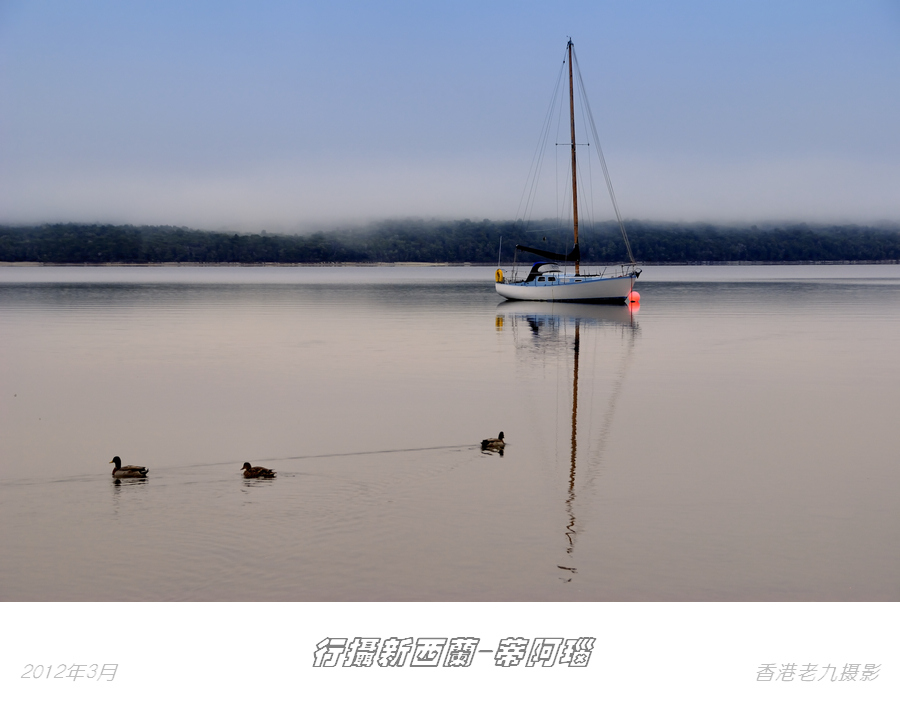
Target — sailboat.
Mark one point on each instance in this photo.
(546, 279)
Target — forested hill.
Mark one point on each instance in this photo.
(453, 242)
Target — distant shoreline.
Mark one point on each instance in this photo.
(452, 243)
(180, 264)
(421, 264)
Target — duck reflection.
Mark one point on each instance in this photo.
(120, 485)
(129, 481)
(554, 328)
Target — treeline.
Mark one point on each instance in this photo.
(454, 242)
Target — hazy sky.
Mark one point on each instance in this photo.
(283, 115)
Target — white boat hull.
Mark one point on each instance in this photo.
(566, 288)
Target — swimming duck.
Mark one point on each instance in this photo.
(257, 472)
(121, 471)
(497, 444)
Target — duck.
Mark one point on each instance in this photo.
(497, 444)
(257, 472)
(121, 471)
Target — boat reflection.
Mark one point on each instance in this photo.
(551, 313)
(554, 330)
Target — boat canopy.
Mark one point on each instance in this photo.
(536, 270)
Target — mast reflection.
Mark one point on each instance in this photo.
(551, 328)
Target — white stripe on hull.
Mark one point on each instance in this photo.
(607, 289)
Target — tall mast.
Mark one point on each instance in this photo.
(572, 127)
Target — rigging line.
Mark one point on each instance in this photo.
(566, 213)
(537, 158)
(562, 365)
(534, 178)
(592, 385)
(560, 104)
(609, 186)
(562, 126)
(580, 174)
(586, 201)
(531, 171)
(590, 205)
(563, 352)
(597, 456)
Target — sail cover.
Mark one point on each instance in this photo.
(573, 255)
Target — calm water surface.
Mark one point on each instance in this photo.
(734, 438)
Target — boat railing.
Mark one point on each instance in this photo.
(515, 274)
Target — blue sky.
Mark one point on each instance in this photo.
(290, 115)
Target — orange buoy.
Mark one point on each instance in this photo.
(634, 296)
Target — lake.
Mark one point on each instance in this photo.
(732, 438)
